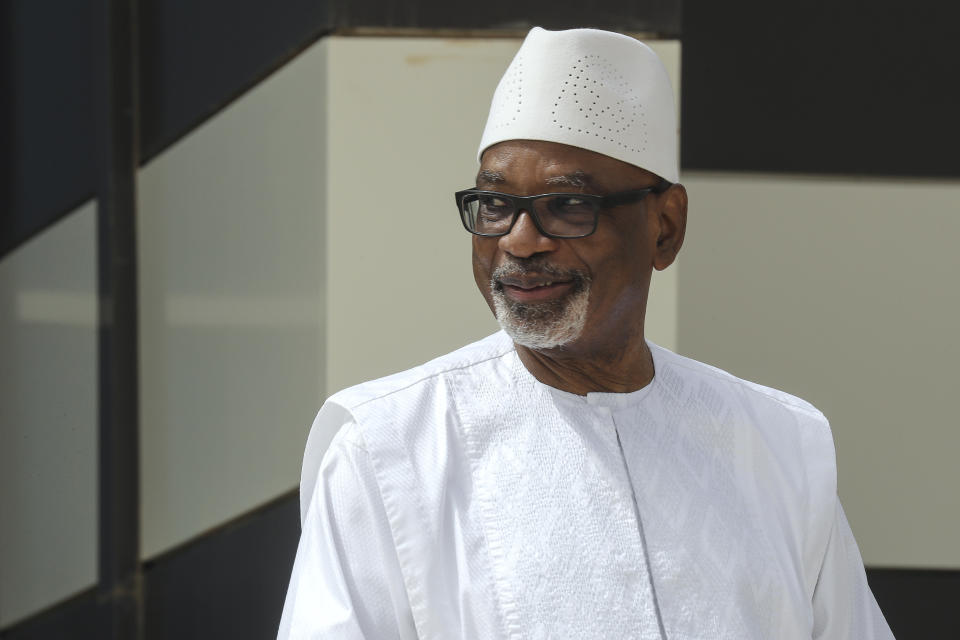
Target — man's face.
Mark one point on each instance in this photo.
(585, 294)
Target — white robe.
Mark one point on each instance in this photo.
(465, 499)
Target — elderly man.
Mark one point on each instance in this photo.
(565, 478)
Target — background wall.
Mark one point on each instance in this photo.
(233, 282)
(825, 198)
(270, 270)
(843, 291)
(48, 410)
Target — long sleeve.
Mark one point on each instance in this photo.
(346, 582)
(843, 605)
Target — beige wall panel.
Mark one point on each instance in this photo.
(845, 293)
(405, 118)
(661, 319)
(231, 290)
(48, 417)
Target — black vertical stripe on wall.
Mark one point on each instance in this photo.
(118, 462)
(822, 87)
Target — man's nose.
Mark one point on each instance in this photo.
(524, 239)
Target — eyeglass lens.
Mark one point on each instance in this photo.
(561, 215)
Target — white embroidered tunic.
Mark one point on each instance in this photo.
(465, 499)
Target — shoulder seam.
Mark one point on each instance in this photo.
(353, 444)
(349, 435)
(426, 377)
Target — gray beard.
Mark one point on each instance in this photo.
(542, 325)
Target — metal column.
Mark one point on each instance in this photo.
(120, 591)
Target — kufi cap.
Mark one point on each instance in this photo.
(593, 89)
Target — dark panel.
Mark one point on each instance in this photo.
(918, 603)
(47, 148)
(196, 57)
(75, 618)
(118, 519)
(821, 87)
(229, 583)
(659, 16)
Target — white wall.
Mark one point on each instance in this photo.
(232, 276)
(844, 292)
(48, 417)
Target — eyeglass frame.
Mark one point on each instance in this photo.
(525, 203)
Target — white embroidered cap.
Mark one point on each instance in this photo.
(593, 89)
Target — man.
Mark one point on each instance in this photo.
(565, 478)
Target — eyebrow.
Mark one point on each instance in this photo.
(578, 179)
(490, 177)
(575, 179)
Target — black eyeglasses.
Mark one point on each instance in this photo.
(556, 215)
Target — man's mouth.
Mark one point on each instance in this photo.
(534, 289)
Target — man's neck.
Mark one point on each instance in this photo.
(613, 371)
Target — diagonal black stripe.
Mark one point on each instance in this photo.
(821, 87)
(918, 603)
(48, 145)
(228, 583)
(75, 618)
(197, 57)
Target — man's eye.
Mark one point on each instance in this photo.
(571, 205)
(492, 202)
(493, 207)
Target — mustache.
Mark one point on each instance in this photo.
(516, 267)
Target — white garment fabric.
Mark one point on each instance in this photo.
(465, 499)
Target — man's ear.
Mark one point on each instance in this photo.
(672, 211)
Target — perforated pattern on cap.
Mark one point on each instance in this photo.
(603, 104)
(511, 87)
